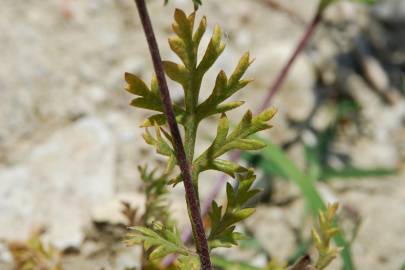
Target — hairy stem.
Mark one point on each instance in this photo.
(191, 196)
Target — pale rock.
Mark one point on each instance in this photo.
(129, 257)
(270, 227)
(111, 211)
(380, 206)
(392, 11)
(58, 184)
(371, 153)
(324, 117)
(296, 97)
(127, 136)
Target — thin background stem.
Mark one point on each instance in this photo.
(278, 82)
(289, 12)
(191, 196)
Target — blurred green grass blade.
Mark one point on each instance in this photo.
(353, 172)
(367, 2)
(313, 162)
(274, 154)
(222, 263)
(256, 160)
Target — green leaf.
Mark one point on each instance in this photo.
(157, 119)
(177, 72)
(183, 27)
(236, 140)
(221, 108)
(155, 188)
(229, 167)
(179, 47)
(162, 240)
(274, 154)
(223, 88)
(199, 34)
(223, 223)
(189, 263)
(214, 50)
(162, 147)
(353, 172)
(323, 235)
(148, 99)
(240, 70)
(223, 263)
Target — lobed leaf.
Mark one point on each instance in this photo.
(189, 263)
(224, 89)
(162, 240)
(214, 49)
(148, 99)
(223, 223)
(323, 235)
(236, 140)
(155, 188)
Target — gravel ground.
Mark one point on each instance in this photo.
(70, 144)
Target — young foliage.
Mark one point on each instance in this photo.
(160, 241)
(323, 235)
(274, 264)
(189, 73)
(34, 254)
(223, 222)
(155, 189)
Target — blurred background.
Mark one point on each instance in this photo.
(70, 144)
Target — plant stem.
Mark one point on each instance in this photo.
(291, 13)
(191, 196)
(275, 87)
(278, 82)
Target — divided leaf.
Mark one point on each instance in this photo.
(214, 49)
(185, 45)
(149, 99)
(323, 235)
(223, 222)
(238, 139)
(155, 188)
(160, 240)
(224, 89)
(190, 262)
(162, 146)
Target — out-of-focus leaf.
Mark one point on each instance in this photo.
(353, 172)
(273, 154)
(161, 240)
(223, 263)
